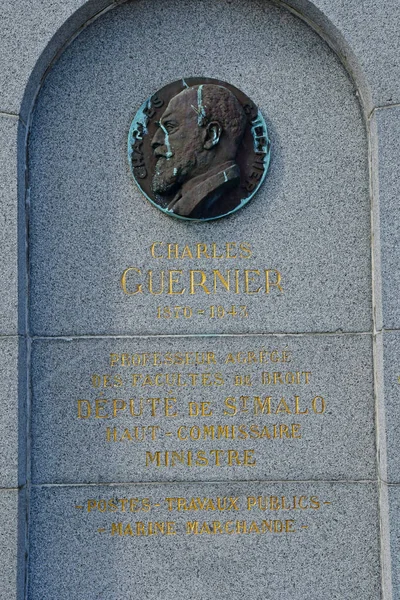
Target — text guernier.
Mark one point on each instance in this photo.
(178, 282)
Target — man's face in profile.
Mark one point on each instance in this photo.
(196, 167)
(177, 143)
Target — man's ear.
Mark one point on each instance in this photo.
(212, 135)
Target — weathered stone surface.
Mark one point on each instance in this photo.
(392, 570)
(11, 580)
(12, 422)
(358, 36)
(313, 207)
(327, 412)
(388, 177)
(8, 226)
(27, 29)
(390, 397)
(333, 550)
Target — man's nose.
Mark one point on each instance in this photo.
(158, 140)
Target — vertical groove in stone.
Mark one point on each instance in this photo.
(23, 200)
(378, 361)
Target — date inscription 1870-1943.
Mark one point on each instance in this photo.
(198, 149)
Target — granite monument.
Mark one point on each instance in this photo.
(199, 342)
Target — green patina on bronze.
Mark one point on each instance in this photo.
(198, 149)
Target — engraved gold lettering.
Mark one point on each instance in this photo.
(173, 279)
(150, 280)
(84, 409)
(138, 289)
(249, 278)
(269, 283)
(225, 282)
(153, 250)
(201, 283)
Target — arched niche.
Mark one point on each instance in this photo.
(88, 222)
(84, 202)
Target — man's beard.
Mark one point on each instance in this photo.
(169, 176)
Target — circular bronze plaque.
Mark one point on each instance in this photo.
(198, 149)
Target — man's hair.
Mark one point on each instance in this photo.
(217, 103)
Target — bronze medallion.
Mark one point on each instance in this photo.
(198, 149)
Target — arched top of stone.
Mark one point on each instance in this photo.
(58, 28)
(78, 159)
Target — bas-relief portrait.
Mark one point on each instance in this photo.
(196, 145)
(193, 162)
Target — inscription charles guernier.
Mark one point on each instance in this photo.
(242, 279)
(198, 149)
